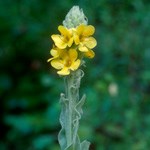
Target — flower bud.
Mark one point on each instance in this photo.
(74, 18)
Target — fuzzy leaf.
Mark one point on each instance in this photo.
(80, 104)
(85, 145)
(63, 120)
(77, 143)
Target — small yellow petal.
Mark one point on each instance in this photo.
(89, 54)
(57, 63)
(54, 52)
(90, 42)
(58, 41)
(88, 31)
(64, 31)
(83, 48)
(64, 71)
(73, 54)
(76, 39)
(75, 65)
(80, 29)
(50, 59)
(70, 42)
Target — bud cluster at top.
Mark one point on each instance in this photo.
(75, 17)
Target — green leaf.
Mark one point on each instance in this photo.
(85, 145)
(63, 119)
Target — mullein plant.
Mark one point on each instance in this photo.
(71, 46)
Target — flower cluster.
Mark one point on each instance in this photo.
(70, 46)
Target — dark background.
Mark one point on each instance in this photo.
(116, 82)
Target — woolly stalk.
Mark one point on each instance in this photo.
(71, 111)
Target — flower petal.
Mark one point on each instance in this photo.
(50, 59)
(88, 31)
(58, 41)
(90, 42)
(76, 39)
(75, 65)
(64, 71)
(83, 48)
(70, 42)
(54, 52)
(80, 29)
(64, 31)
(57, 63)
(89, 54)
(73, 54)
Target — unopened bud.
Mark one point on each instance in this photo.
(74, 18)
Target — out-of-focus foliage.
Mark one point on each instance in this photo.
(117, 81)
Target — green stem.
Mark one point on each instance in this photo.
(71, 114)
(69, 119)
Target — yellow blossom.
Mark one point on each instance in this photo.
(82, 38)
(66, 62)
(63, 40)
(89, 53)
(55, 52)
(69, 45)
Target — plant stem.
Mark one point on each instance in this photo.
(71, 114)
(69, 117)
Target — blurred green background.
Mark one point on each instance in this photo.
(117, 81)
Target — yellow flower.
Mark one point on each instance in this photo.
(82, 38)
(89, 53)
(65, 52)
(63, 40)
(66, 62)
(55, 52)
